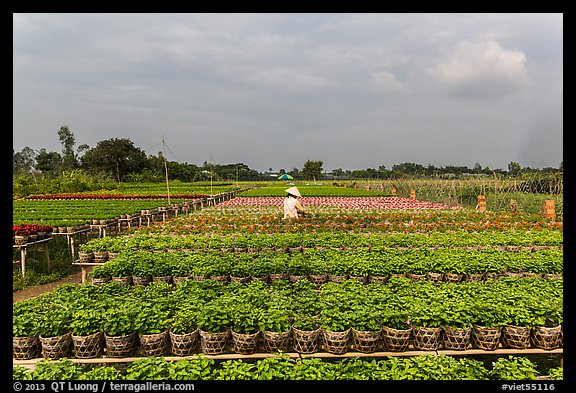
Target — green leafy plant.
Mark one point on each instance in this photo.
(513, 368)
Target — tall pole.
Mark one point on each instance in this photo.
(211, 194)
(166, 169)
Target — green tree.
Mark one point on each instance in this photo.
(48, 163)
(23, 161)
(69, 159)
(117, 157)
(514, 168)
(312, 169)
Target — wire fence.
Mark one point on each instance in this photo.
(523, 194)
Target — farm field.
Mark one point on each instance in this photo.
(374, 282)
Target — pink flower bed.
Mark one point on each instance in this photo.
(343, 202)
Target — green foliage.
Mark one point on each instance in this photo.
(513, 368)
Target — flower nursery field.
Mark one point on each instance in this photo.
(368, 286)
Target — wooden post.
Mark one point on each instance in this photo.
(481, 206)
(548, 206)
(413, 194)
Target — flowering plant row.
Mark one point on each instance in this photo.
(344, 202)
(270, 220)
(30, 229)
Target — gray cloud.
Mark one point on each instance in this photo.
(273, 90)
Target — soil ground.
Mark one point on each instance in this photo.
(27, 293)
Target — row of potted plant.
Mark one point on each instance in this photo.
(511, 312)
(445, 263)
(283, 242)
(24, 233)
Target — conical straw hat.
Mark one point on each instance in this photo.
(293, 191)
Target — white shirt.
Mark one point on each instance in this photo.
(290, 210)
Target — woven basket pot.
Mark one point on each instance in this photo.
(362, 279)
(275, 277)
(242, 279)
(20, 240)
(305, 341)
(245, 343)
(263, 278)
(166, 279)
(100, 256)
(100, 281)
(336, 342)
(123, 280)
(274, 342)
(56, 347)
(214, 343)
(486, 338)
(416, 276)
(178, 279)
(85, 257)
(396, 340)
(121, 346)
(199, 278)
(492, 276)
(434, 277)
(297, 277)
(426, 338)
(552, 276)
(517, 337)
(26, 347)
(318, 279)
(456, 338)
(225, 279)
(184, 344)
(474, 277)
(546, 337)
(453, 277)
(365, 341)
(87, 347)
(137, 280)
(378, 279)
(154, 344)
(337, 278)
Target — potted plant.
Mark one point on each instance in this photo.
(25, 333)
(214, 325)
(152, 324)
(244, 319)
(306, 333)
(335, 329)
(119, 330)
(275, 325)
(184, 330)
(55, 337)
(366, 328)
(87, 334)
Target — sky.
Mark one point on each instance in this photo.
(273, 90)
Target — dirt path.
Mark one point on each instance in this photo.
(75, 278)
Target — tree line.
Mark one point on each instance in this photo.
(119, 160)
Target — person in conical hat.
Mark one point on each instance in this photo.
(292, 206)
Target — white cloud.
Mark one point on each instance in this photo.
(483, 69)
(386, 81)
